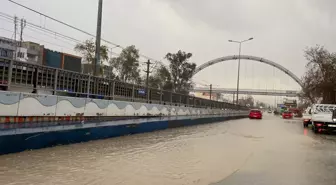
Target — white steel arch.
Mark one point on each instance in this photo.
(249, 57)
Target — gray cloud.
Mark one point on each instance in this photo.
(282, 29)
(238, 15)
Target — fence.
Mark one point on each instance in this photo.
(67, 83)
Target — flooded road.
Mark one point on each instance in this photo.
(268, 151)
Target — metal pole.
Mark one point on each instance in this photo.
(11, 63)
(210, 90)
(147, 80)
(88, 87)
(233, 98)
(238, 72)
(55, 82)
(98, 38)
(22, 26)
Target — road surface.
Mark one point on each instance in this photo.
(287, 155)
(271, 151)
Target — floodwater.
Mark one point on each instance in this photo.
(268, 151)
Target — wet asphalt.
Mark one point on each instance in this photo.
(271, 151)
(285, 153)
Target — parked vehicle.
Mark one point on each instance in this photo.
(323, 118)
(255, 114)
(287, 115)
(275, 112)
(306, 117)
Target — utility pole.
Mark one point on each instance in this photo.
(147, 79)
(210, 91)
(15, 43)
(22, 26)
(98, 38)
(10, 69)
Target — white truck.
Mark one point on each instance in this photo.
(306, 117)
(323, 118)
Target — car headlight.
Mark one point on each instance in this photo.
(334, 119)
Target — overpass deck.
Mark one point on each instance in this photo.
(267, 92)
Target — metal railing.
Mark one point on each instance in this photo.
(67, 83)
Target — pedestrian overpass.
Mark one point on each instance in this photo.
(265, 92)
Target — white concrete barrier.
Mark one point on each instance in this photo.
(27, 104)
(9, 103)
(37, 105)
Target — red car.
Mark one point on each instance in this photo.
(287, 115)
(255, 114)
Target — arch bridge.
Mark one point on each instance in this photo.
(252, 58)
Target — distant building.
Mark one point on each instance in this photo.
(290, 103)
(34, 52)
(21, 54)
(28, 51)
(7, 48)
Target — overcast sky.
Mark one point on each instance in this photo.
(282, 29)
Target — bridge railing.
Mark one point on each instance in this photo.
(38, 78)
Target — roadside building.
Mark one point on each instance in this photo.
(34, 52)
(7, 48)
(27, 52)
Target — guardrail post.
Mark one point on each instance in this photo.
(180, 100)
(35, 80)
(187, 101)
(113, 90)
(55, 81)
(147, 93)
(171, 98)
(10, 73)
(161, 95)
(88, 87)
(133, 92)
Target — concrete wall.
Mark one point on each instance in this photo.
(27, 104)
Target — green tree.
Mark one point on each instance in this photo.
(319, 81)
(109, 70)
(181, 71)
(261, 104)
(248, 101)
(88, 50)
(127, 65)
(161, 79)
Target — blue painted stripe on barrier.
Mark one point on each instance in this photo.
(26, 141)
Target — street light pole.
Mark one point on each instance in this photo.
(238, 72)
(240, 43)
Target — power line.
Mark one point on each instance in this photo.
(51, 33)
(35, 38)
(73, 27)
(32, 26)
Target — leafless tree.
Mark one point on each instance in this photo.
(319, 81)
